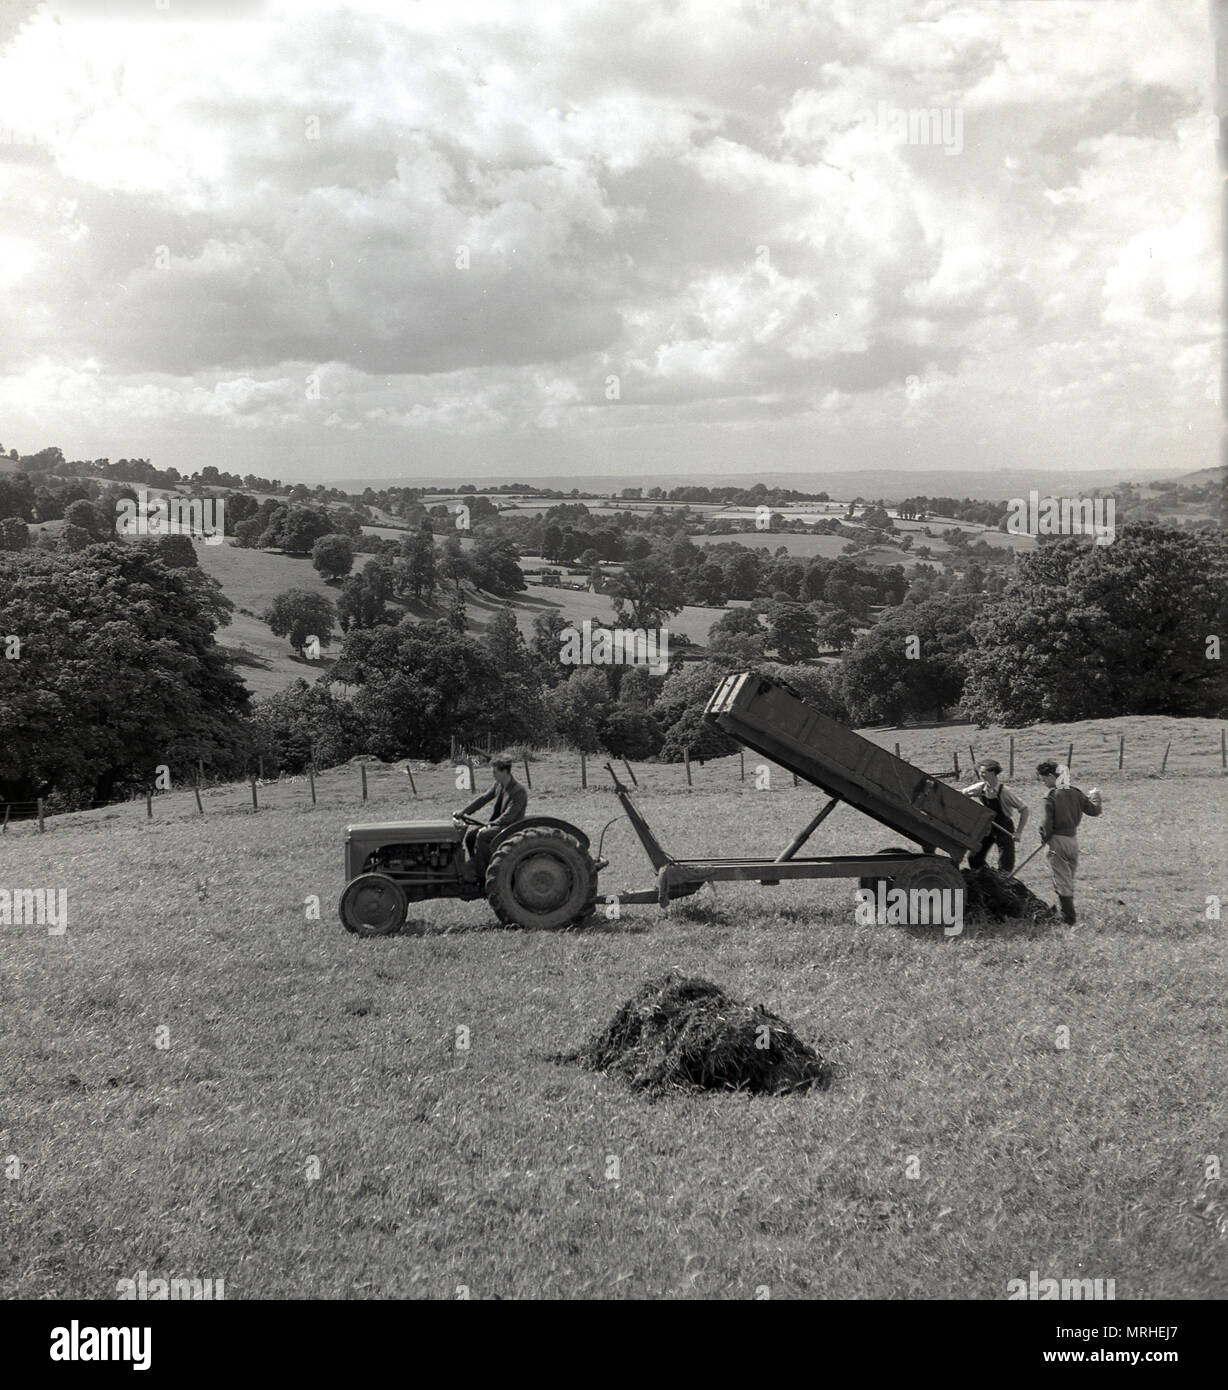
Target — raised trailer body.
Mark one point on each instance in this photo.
(766, 716)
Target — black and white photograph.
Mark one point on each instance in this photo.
(611, 662)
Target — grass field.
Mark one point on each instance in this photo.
(310, 1127)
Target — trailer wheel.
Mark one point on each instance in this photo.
(872, 881)
(926, 875)
(541, 878)
(373, 905)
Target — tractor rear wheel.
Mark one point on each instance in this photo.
(373, 905)
(541, 878)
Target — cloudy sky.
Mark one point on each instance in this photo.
(434, 237)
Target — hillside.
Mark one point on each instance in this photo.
(292, 1044)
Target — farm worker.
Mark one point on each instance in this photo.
(1065, 807)
(1004, 832)
(510, 800)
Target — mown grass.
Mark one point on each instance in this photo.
(291, 1043)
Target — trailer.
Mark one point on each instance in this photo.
(768, 717)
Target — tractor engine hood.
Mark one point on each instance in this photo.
(411, 832)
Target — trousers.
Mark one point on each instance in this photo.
(1062, 852)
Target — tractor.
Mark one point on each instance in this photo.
(540, 874)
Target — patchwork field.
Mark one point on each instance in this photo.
(306, 1125)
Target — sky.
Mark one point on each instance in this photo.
(416, 239)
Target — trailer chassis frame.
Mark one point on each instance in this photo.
(679, 878)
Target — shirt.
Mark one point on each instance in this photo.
(1065, 807)
(1010, 800)
(510, 803)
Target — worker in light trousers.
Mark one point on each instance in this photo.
(1065, 807)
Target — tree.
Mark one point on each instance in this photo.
(420, 683)
(679, 712)
(834, 628)
(650, 589)
(306, 724)
(298, 614)
(516, 711)
(629, 731)
(14, 534)
(1085, 631)
(546, 645)
(492, 565)
(738, 635)
(453, 563)
(910, 664)
(791, 632)
(120, 672)
(578, 708)
(86, 516)
(296, 529)
(333, 556)
(362, 598)
(176, 551)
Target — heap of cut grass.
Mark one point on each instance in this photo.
(677, 1032)
(993, 895)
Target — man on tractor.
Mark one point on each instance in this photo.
(511, 800)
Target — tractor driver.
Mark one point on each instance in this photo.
(510, 800)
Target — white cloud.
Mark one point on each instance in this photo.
(684, 196)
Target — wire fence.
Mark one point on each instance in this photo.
(1189, 752)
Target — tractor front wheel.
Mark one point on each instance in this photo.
(541, 878)
(373, 905)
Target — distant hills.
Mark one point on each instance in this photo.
(890, 484)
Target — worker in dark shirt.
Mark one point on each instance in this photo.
(510, 800)
(1003, 831)
(1065, 807)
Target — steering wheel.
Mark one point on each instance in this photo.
(467, 820)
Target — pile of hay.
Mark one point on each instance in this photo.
(990, 894)
(678, 1032)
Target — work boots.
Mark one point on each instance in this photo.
(1068, 912)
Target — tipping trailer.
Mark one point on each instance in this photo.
(767, 716)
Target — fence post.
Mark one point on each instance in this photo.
(452, 751)
(528, 780)
(311, 780)
(5, 828)
(409, 772)
(630, 773)
(199, 806)
(363, 770)
(583, 771)
(1223, 750)
(1012, 771)
(686, 760)
(1121, 750)
(255, 803)
(957, 764)
(972, 755)
(897, 750)
(741, 766)
(1167, 746)
(473, 780)
(41, 826)
(148, 803)
(1069, 757)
